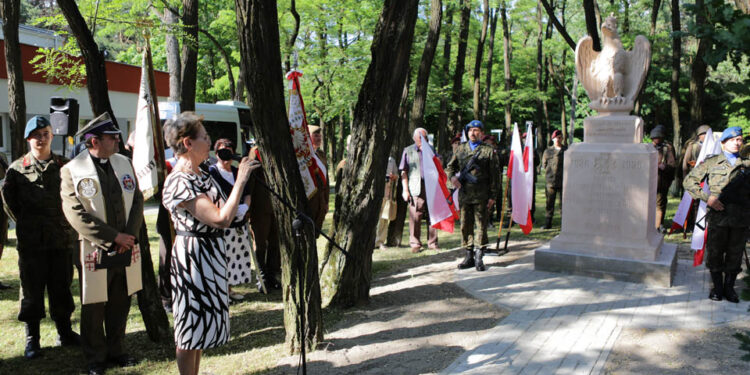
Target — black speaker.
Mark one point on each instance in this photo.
(63, 115)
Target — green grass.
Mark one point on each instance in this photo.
(257, 340)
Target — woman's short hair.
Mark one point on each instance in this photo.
(224, 142)
(184, 125)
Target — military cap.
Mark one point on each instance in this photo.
(658, 132)
(36, 122)
(456, 138)
(103, 124)
(702, 129)
(475, 124)
(732, 132)
(313, 129)
(556, 134)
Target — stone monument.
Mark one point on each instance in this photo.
(609, 180)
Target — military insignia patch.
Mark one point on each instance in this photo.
(87, 188)
(128, 183)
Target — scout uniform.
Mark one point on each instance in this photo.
(473, 198)
(726, 229)
(665, 173)
(101, 199)
(31, 193)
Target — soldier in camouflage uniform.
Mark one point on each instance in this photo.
(552, 162)
(31, 193)
(475, 199)
(728, 214)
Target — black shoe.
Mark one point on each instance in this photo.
(32, 350)
(478, 263)
(717, 292)
(548, 223)
(123, 360)
(4, 287)
(96, 368)
(468, 260)
(65, 335)
(729, 293)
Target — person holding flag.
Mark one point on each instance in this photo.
(728, 216)
(473, 170)
(413, 182)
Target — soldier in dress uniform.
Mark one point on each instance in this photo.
(728, 212)
(31, 193)
(477, 197)
(692, 151)
(665, 173)
(552, 162)
(102, 202)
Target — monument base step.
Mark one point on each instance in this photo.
(657, 273)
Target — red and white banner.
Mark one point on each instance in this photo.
(698, 242)
(521, 174)
(146, 160)
(309, 164)
(683, 209)
(440, 203)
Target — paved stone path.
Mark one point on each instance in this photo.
(563, 324)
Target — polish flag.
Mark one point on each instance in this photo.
(521, 175)
(440, 204)
(700, 231)
(683, 210)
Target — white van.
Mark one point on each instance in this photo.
(225, 119)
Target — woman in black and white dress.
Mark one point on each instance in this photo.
(200, 302)
(237, 236)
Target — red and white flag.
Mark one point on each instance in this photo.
(700, 231)
(309, 163)
(148, 159)
(683, 209)
(521, 174)
(440, 203)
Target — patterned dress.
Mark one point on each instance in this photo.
(200, 300)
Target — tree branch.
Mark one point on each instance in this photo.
(560, 28)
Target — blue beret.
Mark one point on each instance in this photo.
(732, 132)
(36, 122)
(475, 124)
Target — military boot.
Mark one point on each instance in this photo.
(65, 334)
(468, 260)
(717, 292)
(33, 350)
(547, 223)
(478, 263)
(729, 292)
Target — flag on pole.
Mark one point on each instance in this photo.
(309, 163)
(521, 174)
(700, 231)
(683, 209)
(148, 149)
(440, 204)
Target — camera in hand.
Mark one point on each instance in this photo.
(227, 154)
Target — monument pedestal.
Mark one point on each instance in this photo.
(609, 208)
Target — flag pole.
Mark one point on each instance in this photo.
(502, 218)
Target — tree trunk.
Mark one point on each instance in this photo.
(478, 60)
(626, 16)
(189, 55)
(698, 73)
(443, 131)
(573, 104)
(654, 18)
(490, 60)
(258, 29)
(506, 65)
(293, 37)
(560, 28)
(675, 83)
(174, 65)
(539, 71)
(423, 76)
(458, 75)
(591, 23)
(401, 140)
(10, 11)
(96, 74)
(360, 193)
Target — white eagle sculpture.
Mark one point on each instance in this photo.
(613, 77)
